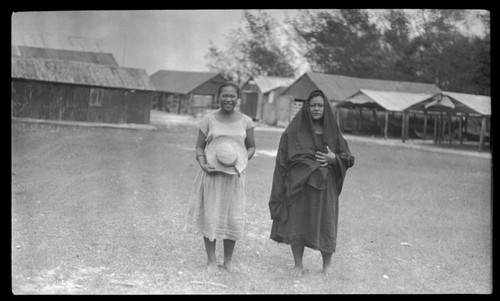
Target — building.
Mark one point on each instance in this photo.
(261, 95)
(465, 116)
(387, 103)
(337, 88)
(58, 89)
(186, 92)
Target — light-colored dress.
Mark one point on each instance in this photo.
(217, 200)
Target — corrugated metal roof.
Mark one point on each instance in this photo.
(440, 102)
(480, 104)
(338, 87)
(387, 100)
(80, 73)
(182, 82)
(268, 83)
(69, 55)
(437, 103)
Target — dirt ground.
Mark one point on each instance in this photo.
(101, 211)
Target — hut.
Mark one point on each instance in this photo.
(337, 88)
(261, 97)
(79, 91)
(186, 92)
(465, 116)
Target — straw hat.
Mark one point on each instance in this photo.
(226, 155)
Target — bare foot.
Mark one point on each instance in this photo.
(212, 268)
(327, 269)
(297, 271)
(229, 267)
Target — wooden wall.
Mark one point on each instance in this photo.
(54, 101)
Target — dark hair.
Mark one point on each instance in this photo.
(316, 93)
(230, 84)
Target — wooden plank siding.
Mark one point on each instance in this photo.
(57, 101)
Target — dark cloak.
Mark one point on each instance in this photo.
(296, 163)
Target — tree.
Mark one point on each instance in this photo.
(218, 62)
(268, 57)
(340, 41)
(396, 36)
(252, 50)
(481, 74)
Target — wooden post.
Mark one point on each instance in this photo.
(440, 128)
(449, 128)
(425, 125)
(483, 132)
(386, 124)
(466, 123)
(435, 129)
(377, 123)
(460, 129)
(337, 113)
(403, 126)
(443, 128)
(179, 101)
(407, 127)
(359, 120)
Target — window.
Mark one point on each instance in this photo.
(96, 97)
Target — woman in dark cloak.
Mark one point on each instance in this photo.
(311, 165)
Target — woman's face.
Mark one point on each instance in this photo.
(317, 107)
(228, 98)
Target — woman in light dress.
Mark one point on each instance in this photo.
(217, 200)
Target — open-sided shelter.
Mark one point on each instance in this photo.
(385, 101)
(473, 113)
(186, 92)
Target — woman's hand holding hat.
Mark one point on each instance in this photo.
(226, 155)
(204, 165)
(208, 168)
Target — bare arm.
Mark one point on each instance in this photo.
(200, 153)
(250, 143)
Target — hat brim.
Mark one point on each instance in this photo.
(241, 151)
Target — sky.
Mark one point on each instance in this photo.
(150, 40)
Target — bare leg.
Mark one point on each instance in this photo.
(298, 253)
(228, 254)
(327, 261)
(212, 261)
